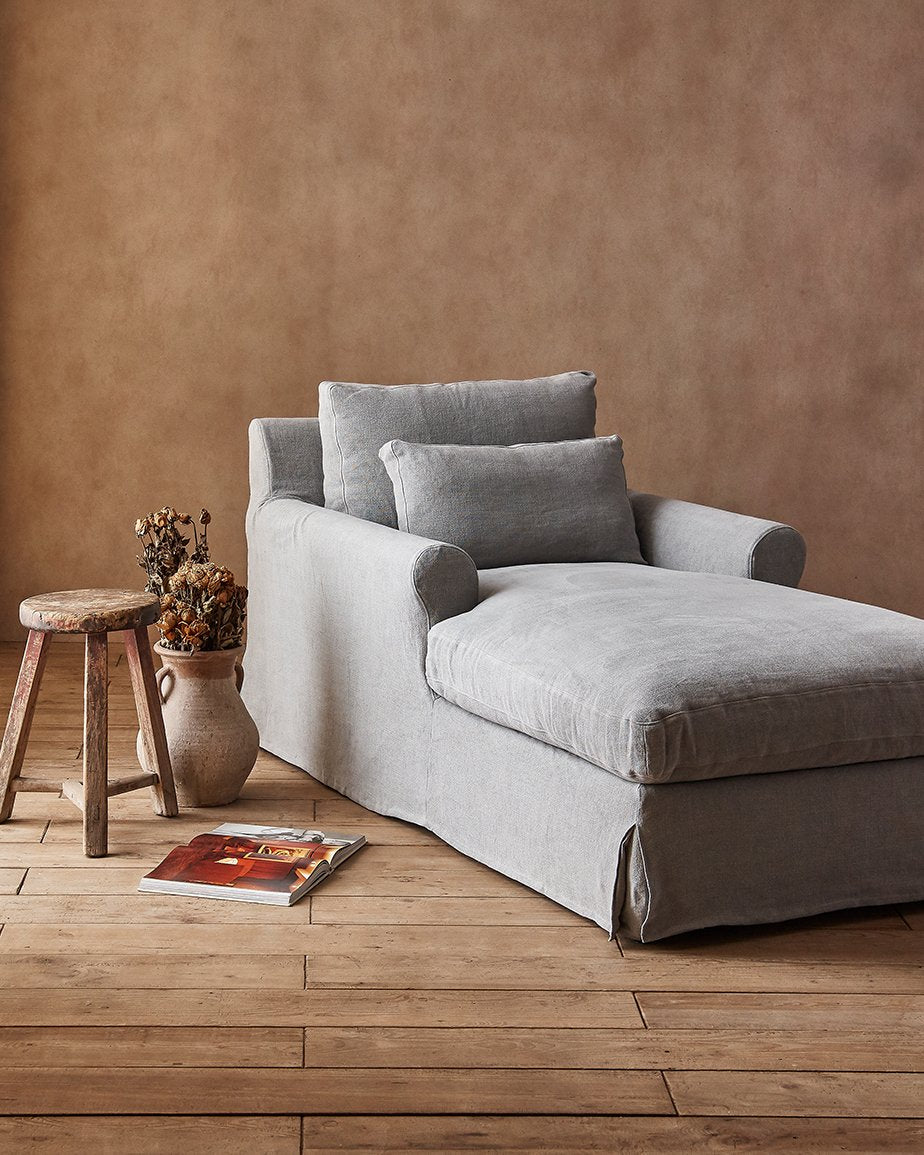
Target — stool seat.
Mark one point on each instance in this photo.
(89, 611)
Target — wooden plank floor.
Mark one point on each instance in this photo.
(417, 1002)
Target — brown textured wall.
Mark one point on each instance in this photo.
(716, 205)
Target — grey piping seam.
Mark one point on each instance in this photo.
(426, 610)
(343, 497)
(406, 526)
(268, 462)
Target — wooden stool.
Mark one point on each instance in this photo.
(96, 613)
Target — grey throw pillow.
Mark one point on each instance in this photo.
(357, 419)
(517, 504)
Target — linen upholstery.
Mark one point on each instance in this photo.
(681, 535)
(356, 420)
(511, 505)
(285, 459)
(661, 675)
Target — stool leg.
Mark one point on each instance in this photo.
(95, 747)
(16, 735)
(150, 719)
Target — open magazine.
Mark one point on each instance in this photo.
(276, 864)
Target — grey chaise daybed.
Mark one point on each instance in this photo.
(658, 746)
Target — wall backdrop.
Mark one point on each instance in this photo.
(208, 208)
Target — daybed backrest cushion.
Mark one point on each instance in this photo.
(517, 504)
(357, 420)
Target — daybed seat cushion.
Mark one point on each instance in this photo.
(659, 675)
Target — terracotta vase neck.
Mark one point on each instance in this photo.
(201, 664)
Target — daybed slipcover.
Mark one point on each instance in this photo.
(340, 615)
(659, 675)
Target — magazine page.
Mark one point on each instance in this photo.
(244, 863)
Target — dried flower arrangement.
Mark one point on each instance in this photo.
(201, 608)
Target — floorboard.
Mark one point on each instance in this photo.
(318, 1008)
(614, 1050)
(11, 879)
(707, 1010)
(869, 1094)
(187, 1046)
(623, 1135)
(284, 1091)
(160, 971)
(164, 1135)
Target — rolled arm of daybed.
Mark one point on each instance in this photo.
(370, 577)
(680, 535)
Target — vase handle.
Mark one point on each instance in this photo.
(164, 691)
(239, 676)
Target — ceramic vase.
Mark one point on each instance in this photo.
(212, 739)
